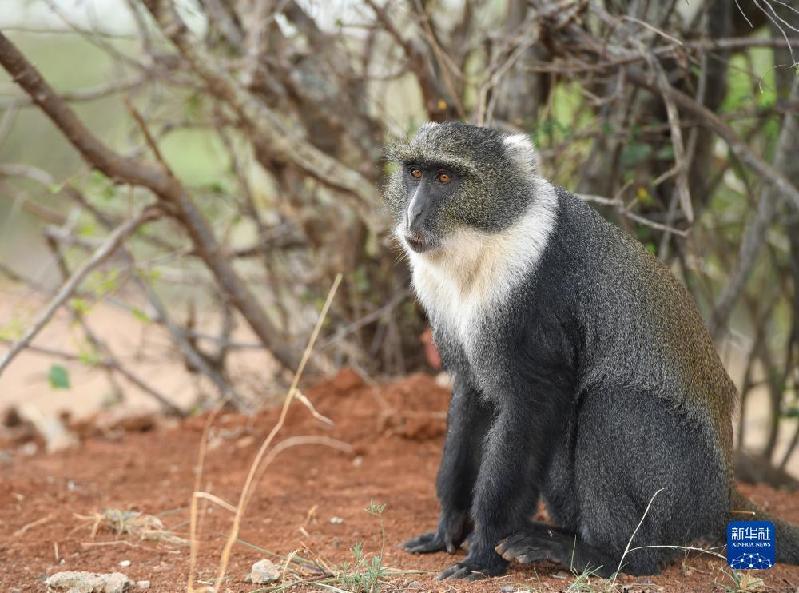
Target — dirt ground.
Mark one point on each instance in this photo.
(311, 500)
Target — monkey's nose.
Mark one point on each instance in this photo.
(413, 218)
(416, 242)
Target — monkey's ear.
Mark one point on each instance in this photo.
(522, 153)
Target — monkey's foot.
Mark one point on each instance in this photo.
(452, 530)
(541, 542)
(426, 543)
(471, 569)
(527, 548)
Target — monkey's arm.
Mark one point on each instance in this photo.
(467, 421)
(530, 414)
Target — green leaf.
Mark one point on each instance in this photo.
(104, 282)
(642, 196)
(665, 153)
(89, 356)
(79, 306)
(193, 104)
(97, 177)
(58, 377)
(635, 153)
(140, 315)
(216, 187)
(13, 330)
(151, 275)
(87, 229)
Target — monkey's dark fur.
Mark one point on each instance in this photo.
(583, 373)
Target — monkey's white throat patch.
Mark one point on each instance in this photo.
(473, 272)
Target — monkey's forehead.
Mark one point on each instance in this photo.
(455, 144)
(430, 155)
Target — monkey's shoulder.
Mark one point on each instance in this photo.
(639, 325)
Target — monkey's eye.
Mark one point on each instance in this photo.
(443, 177)
(416, 173)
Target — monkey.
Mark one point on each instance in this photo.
(583, 374)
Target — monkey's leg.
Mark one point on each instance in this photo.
(648, 475)
(538, 542)
(467, 421)
(517, 447)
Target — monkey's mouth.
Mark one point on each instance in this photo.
(418, 243)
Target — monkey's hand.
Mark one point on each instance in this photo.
(452, 531)
(476, 566)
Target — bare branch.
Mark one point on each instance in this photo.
(756, 228)
(268, 130)
(767, 173)
(160, 182)
(88, 94)
(680, 162)
(96, 153)
(113, 241)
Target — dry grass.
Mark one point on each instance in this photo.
(262, 459)
(141, 525)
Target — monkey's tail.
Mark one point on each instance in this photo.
(786, 534)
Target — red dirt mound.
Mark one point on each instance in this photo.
(312, 499)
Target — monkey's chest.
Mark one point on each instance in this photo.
(462, 314)
(467, 324)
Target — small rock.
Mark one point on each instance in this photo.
(507, 589)
(88, 582)
(125, 563)
(143, 585)
(562, 575)
(444, 380)
(50, 427)
(29, 449)
(336, 520)
(263, 571)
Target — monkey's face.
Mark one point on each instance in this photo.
(455, 180)
(430, 192)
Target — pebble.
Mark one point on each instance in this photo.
(336, 520)
(125, 563)
(507, 589)
(263, 571)
(562, 575)
(72, 581)
(143, 585)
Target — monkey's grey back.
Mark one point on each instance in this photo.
(642, 329)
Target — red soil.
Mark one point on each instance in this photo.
(396, 433)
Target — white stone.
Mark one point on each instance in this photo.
(264, 571)
(72, 581)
